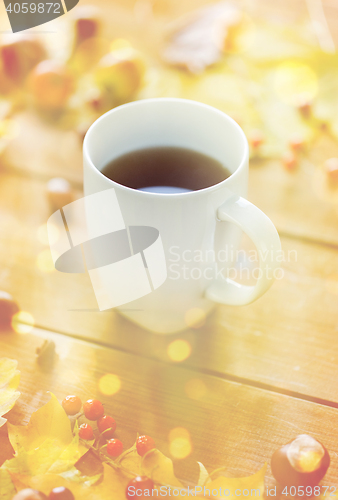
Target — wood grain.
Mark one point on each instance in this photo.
(286, 339)
(231, 425)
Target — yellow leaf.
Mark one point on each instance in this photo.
(7, 490)
(46, 444)
(160, 468)
(254, 484)
(113, 485)
(9, 381)
(50, 422)
(204, 474)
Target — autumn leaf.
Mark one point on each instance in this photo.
(160, 468)
(9, 381)
(46, 444)
(204, 474)
(7, 490)
(221, 484)
(199, 42)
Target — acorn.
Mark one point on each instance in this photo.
(301, 462)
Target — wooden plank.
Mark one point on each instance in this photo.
(291, 200)
(286, 339)
(231, 425)
(299, 202)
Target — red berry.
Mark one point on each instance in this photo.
(107, 425)
(289, 161)
(144, 444)
(296, 143)
(72, 405)
(138, 486)
(256, 138)
(61, 493)
(114, 447)
(305, 108)
(29, 494)
(8, 307)
(93, 409)
(86, 432)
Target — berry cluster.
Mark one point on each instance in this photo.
(93, 410)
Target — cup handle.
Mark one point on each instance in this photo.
(266, 239)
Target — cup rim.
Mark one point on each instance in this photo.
(141, 102)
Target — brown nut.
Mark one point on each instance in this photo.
(302, 462)
(29, 494)
(8, 307)
(19, 57)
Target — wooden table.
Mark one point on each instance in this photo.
(265, 372)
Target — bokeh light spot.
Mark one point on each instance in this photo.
(295, 82)
(179, 443)
(179, 350)
(23, 322)
(44, 262)
(48, 237)
(195, 318)
(109, 384)
(120, 44)
(195, 388)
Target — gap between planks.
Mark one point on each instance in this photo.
(44, 332)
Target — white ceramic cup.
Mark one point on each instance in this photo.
(194, 226)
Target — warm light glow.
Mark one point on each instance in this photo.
(179, 350)
(23, 322)
(295, 82)
(310, 461)
(195, 318)
(8, 129)
(109, 384)
(180, 443)
(120, 43)
(331, 284)
(44, 262)
(241, 35)
(48, 237)
(305, 453)
(195, 388)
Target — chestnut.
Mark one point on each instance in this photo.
(29, 494)
(301, 462)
